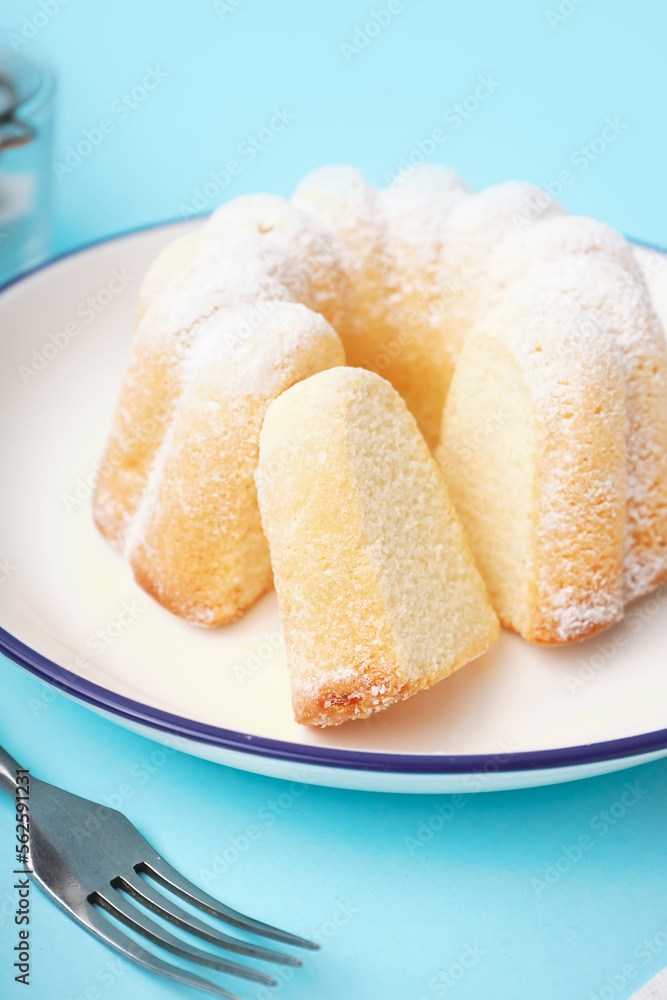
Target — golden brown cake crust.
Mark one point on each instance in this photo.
(197, 542)
(543, 496)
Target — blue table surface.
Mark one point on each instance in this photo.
(521, 894)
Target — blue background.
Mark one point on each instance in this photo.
(481, 882)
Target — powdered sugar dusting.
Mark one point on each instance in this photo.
(576, 618)
(618, 302)
(314, 248)
(417, 210)
(558, 238)
(575, 377)
(392, 244)
(475, 228)
(196, 539)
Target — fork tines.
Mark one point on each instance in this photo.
(112, 900)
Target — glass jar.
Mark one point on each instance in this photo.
(27, 90)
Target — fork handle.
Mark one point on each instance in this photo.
(8, 769)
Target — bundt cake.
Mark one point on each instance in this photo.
(525, 310)
(378, 593)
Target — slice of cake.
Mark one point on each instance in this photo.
(618, 301)
(533, 451)
(377, 589)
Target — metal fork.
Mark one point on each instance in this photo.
(86, 882)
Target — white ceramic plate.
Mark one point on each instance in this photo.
(72, 615)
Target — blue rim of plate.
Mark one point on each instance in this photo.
(101, 698)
